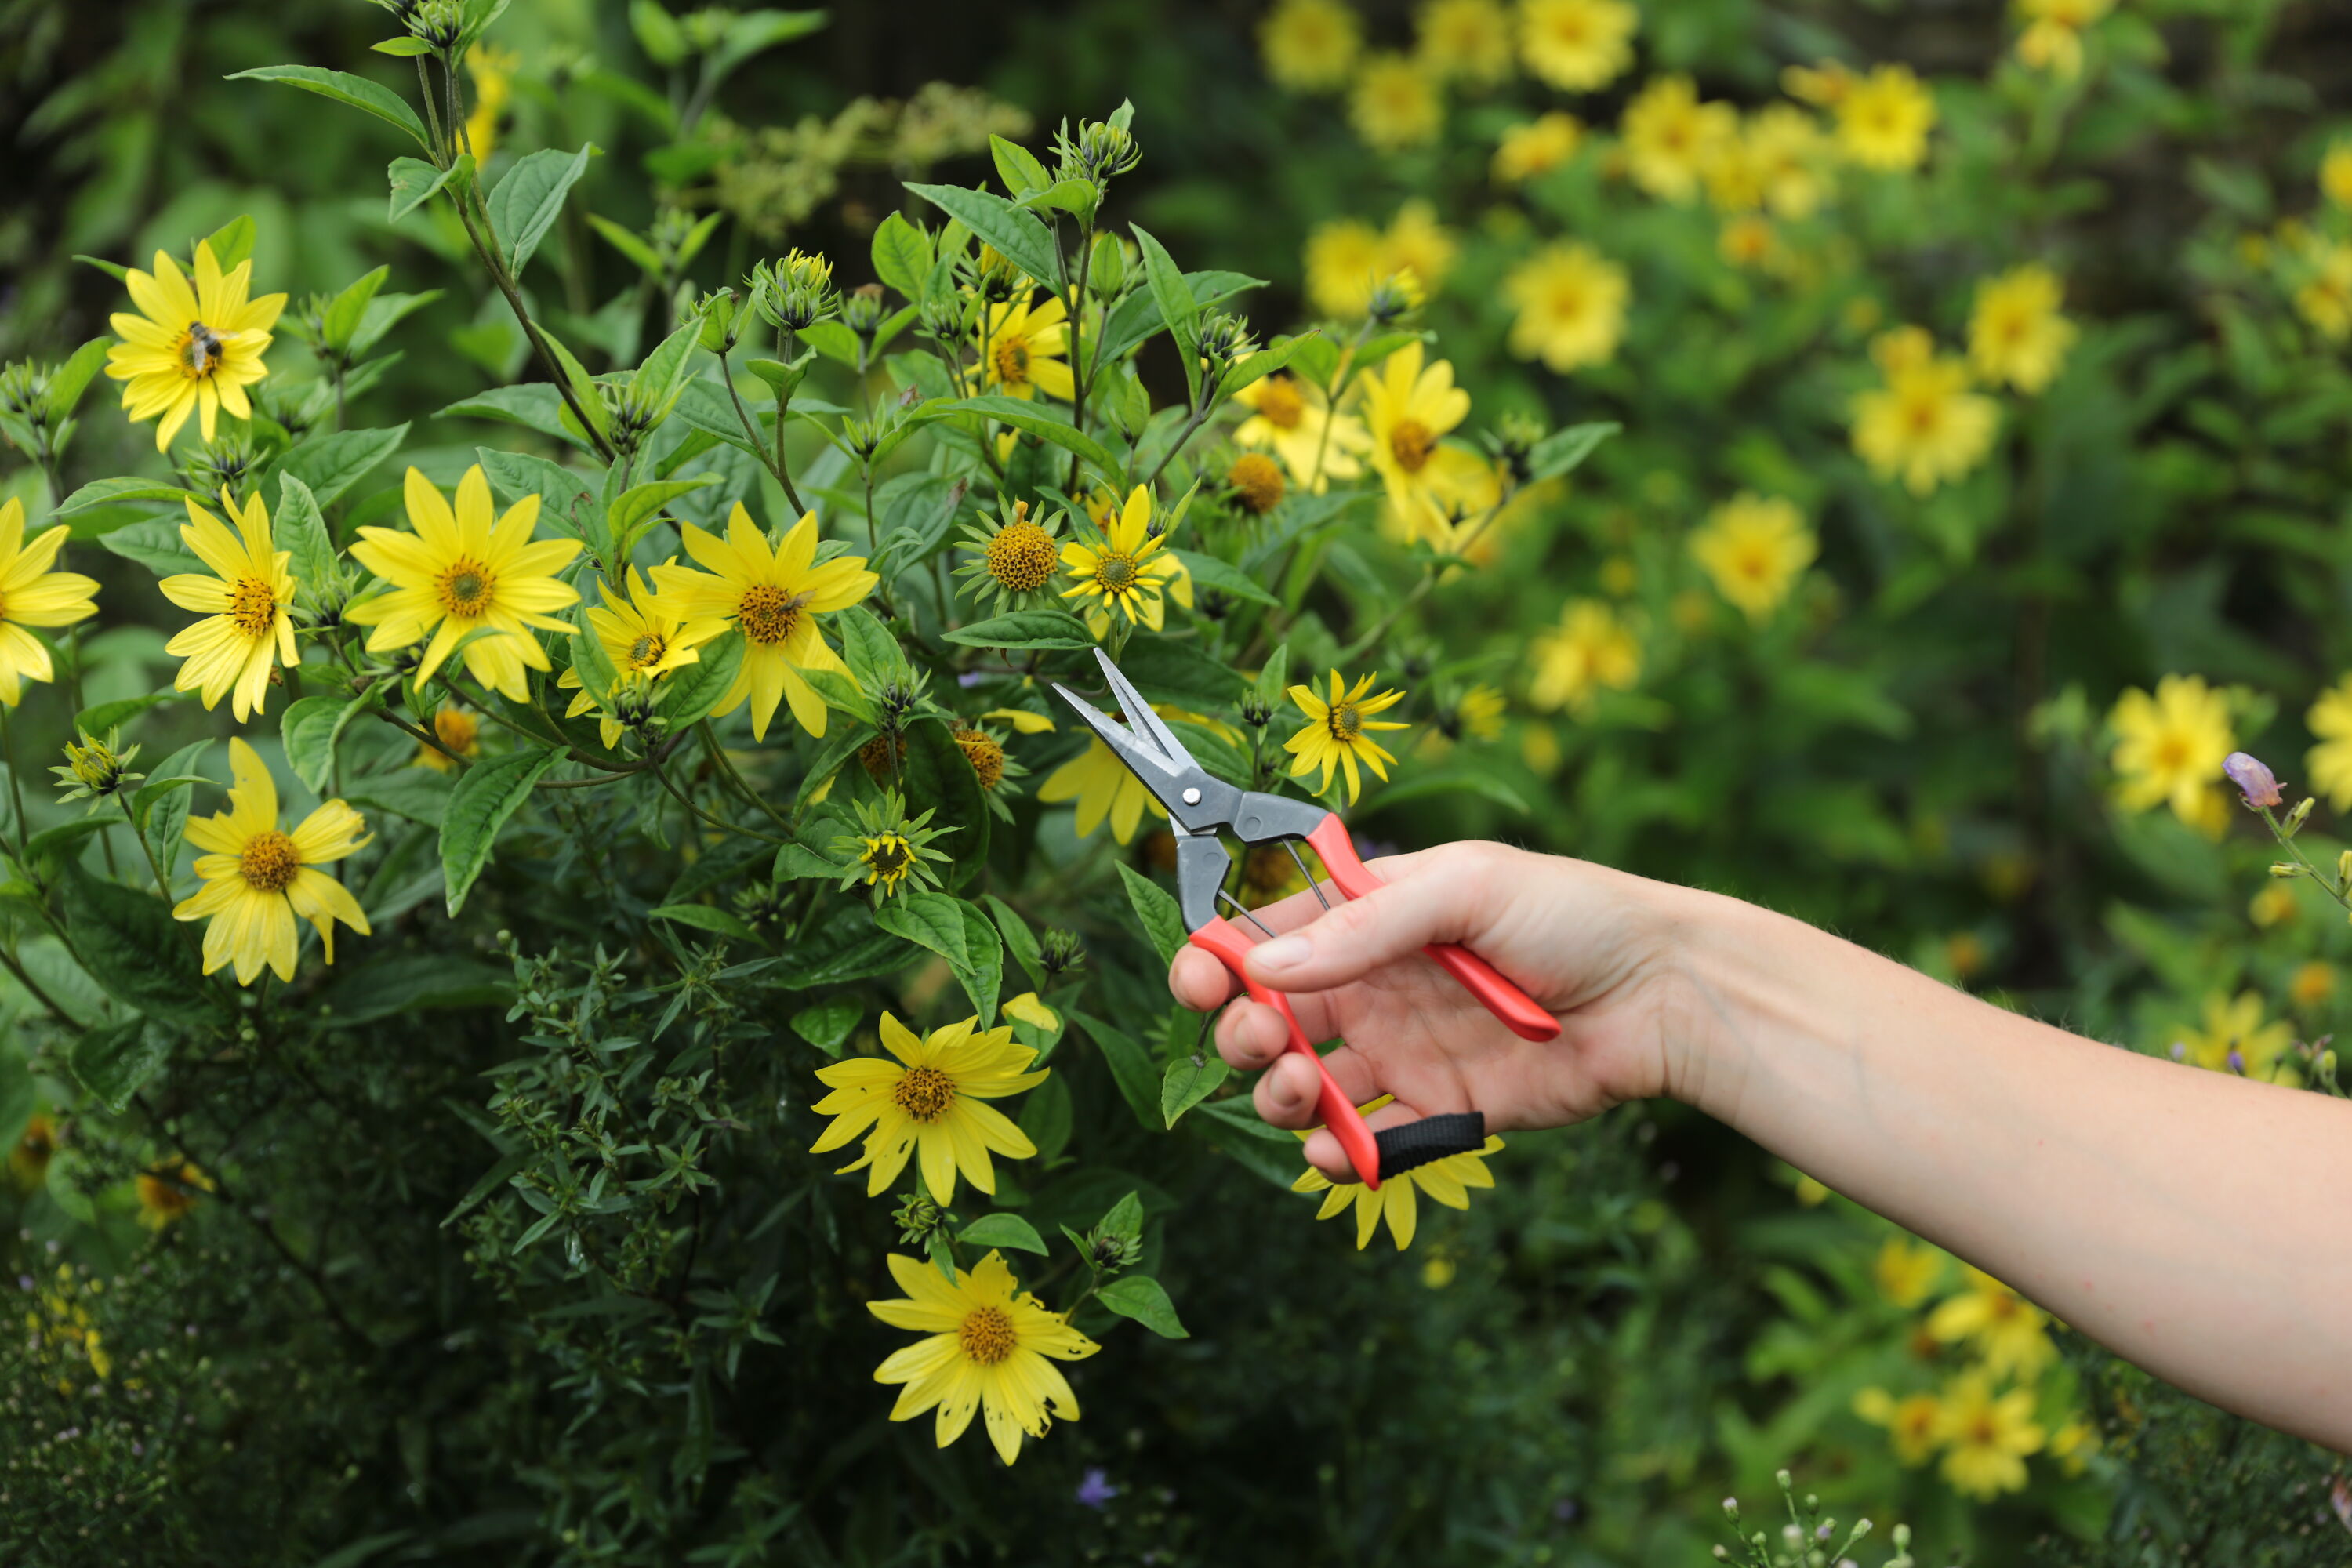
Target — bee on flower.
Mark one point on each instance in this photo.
(1338, 734)
(260, 879)
(890, 852)
(31, 594)
(247, 632)
(191, 349)
(1448, 1181)
(927, 1100)
(988, 1350)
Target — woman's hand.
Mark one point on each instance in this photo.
(1592, 945)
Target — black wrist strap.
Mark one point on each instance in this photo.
(1431, 1138)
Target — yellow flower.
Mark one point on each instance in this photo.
(1409, 406)
(1577, 46)
(2326, 297)
(1824, 85)
(1746, 241)
(493, 71)
(2015, 332)
(1755, 548)
(2335, 174)
(1395, 105)
(1309, 46)
(258, 880)
(1026, 1009)
(986, 1351)
(1418, 244)
(1536, 147)
(1124, 570)
(2313, 985)
(775, 596)
(28, 1162)
(1295, 418)
(2010, 1333)
(459, 731)
(1020, 351)
(1905, 1271)
(167, 1191)
(1985, 1439)
(1464, 40)
(1671, 137)
(1569, 305)
(1788, 156)
(643, 640)
(928, 1103)
(2052, 40)
(245, 632)
(1023, 720)
(2073, 1444)
(1923, 424)
(1912, 1424)
(33, 595)
(1104, 787)
(1883, 119)
(2169, 747)
(1344, 259)
(2235, 1027)
(1448, 1181)
(2330, 761)
(457, 572)
(191, 350)
(1590, 649)
(1338, 734)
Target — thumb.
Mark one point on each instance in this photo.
(1442, 895)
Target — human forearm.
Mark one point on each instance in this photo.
(2167, 1213)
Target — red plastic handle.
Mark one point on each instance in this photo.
(1338, 1111)
(1514, 1007)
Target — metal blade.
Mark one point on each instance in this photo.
(1138, 712)
(1142, 759)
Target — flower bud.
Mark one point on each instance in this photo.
(1394, 298)
(717, 313)
(1107, 269)
(2254, 780)
(2295, 818)
(861, 312)
(2284, 868)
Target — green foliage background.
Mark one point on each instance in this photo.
(1638, 1318)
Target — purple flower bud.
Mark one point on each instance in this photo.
(2238, 1062)
(972, 677)
(2254, 780)
(1094, 1489)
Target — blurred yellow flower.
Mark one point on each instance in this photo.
(493, 71)
(2330, 761)
(1409, 407)
(191, 350)
(1464, 40)
(1986, 1438)
(927, 1100)
(167, 1191)
(1338, 734)
(2272, 904)
(33, 595)
(2313, 985)
(1589, 649)
(1123, 569)
(1395, 105)
(1746, 241)
(1536, 147)
(2233, 1027)
(1417, 243)
(1906, 1271)
(1577, 46)
(1344, 258)
(1824, 85)
(1912, 1424)
(1309, 46)
(985, 1353)
(2073, 1444)
(1883, 119)
(1104, 788)
(2335, 174)
(1923, 425)
(1791, 159)
(2169, 747)
(1448, 1181)
(1294, 417)
(1671, 138)
(1021, 347)
(260, 879)
(2015, 332)
(2008, 1332)
(2052, 40)
(459, 731)
(28, 1162)
(245, 632)
(1754, 547)
(1570, 307)
(2326, 297)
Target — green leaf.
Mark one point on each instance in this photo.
(100, 717)
(51, 843)
(1137, 316)
(931, 919)
(497, 1176)
(1124, 1218)
(160, 806)
(301, 530)
(753, 31)
(1130, 1066)
(1233, 1127)
(1436, 782)
(349, 307)
(486, 795)
(1562, 450)
(1209, 571)
(1189, 1080)
(648, 261)
(566, 498)
(525, 205)
(1177, 306)
(66, 382)
(1038, 420)
(1162, 922)
(413, 183)
(115, 492)
(939, 775)
(638, 503)
(311, 730)
(385, 312)
(129, 943)
(1003, 1230)
(114, 1062)
(233, 241)
(1017, 235)
(1261, 364)
(1048, 1118)
(902, 256)
(1018, 939)
(872, 654)
(1273, 677)
(1139, 1296)
(154, 545)
(982, 976)
(658, 33)
(1040, 629)
(406, 47)
(1018, 167)
(1166, 669)
(654, 384)
(687, 694)
(333, 463)
(826, 1025)
(357, 91)
(537, 405)
(704, 917)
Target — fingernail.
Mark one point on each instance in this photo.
(1282, 952)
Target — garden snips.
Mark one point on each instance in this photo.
(1199, 805)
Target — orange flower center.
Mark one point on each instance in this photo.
(1346, 722)
(466, 589)
(252, 608)
(768, 615)
(268, 861)
(1012, 358)
(925, 1093)
(987, 1336)
(987, 758)
(1115, 571)
(646, 650)
(1279, 403)
(1410, 442)
(1021, 557)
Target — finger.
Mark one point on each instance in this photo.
(1251, 1036)
(1289, 1092)
(1200, 982)
(1442, 895)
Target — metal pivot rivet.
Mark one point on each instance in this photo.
(1192, 797)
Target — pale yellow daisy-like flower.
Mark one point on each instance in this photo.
(1536, 147)
(1448, 1181)
(2008, 1333)
(1671, 138)
(2325, 296)
(1755, 548)
(191, 350)
(1344, 258)
(462, 571)
(1913, 1424)
(1986, 1436)
(1467, 41)
(1570, 303)
(2234, 1027)
(1409, 406)
(2330, 761)
(1021, 349)
(2015, 332)
(1338, 734)
(1883, 119)
(33, 595)
(1309, 46)
(1906, 1271)
(168, 1190)
(493, 71)
(1395, 105)
(1923, 424)
(247, 632)
(1105, 788)
(1417, 244)
(260, 879)
(2169, 747)
(1577, 46)
(1125, 570)
(987, 1350)
(1790, 157)
(775, 596)
(641, 640)
(1295, 418)
(2053, 39)
(1591, 649)
(926, 1100)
